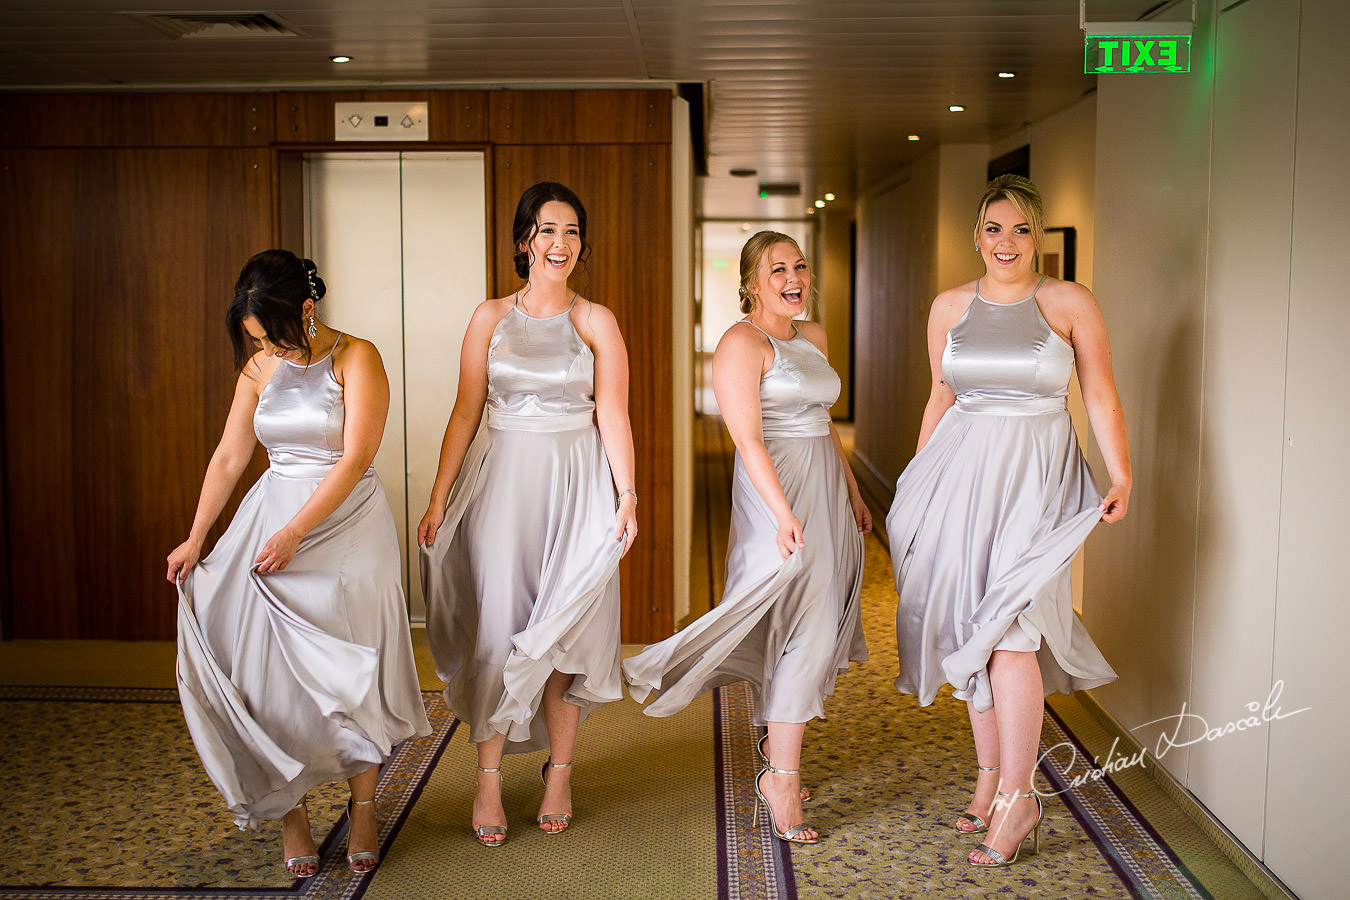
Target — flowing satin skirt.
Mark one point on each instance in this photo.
(983, 530)
(296, 678)
(788, 627)
(523, 579)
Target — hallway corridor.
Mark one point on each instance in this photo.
(109, 799)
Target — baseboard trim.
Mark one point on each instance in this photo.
(1233, 849)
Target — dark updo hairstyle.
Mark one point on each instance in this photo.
(272, 288)
(527, 221)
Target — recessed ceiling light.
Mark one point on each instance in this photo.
(913, 137)
(340, 59)
(810, 210)
(1007, 74)
(744, 173)
(955, 108)
(829, 196)
(820, 204)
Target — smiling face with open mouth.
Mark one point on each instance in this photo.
(1006, 243)
(784, 282)
(556, 243)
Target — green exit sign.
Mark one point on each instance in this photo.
(1112, 54)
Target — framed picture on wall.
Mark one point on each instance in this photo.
(1058, 254)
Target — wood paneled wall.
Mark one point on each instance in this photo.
(124, 221)
(117, 376)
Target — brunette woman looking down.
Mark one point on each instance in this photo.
(295, 666)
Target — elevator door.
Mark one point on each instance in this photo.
(401, 240)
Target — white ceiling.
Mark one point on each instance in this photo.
(820, 92)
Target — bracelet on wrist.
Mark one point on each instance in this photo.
(619, 499)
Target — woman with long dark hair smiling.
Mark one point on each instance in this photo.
(532, 508)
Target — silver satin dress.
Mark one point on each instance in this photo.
(788, 627)
(523, 576)
(296, 678)
(988, 516)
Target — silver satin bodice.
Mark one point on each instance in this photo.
(300, 416)
(1004, 359)
(541, 374)
(796, 393)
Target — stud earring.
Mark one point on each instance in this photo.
(312, 330)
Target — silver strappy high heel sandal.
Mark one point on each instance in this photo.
(1034, 834)
(308, 859)
(981, 826)
(806, 794)
(793, 834)
(482, 832)
(564, 818)
(360, 855)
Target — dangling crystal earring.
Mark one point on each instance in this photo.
(312, 330)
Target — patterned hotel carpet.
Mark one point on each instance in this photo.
(117, 804)
(889, 776)
(107, 799)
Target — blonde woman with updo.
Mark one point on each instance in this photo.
(789, 621)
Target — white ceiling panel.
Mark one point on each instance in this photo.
(810, 91)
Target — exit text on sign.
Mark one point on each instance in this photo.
(1109, 54)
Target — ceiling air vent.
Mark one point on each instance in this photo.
(217, 26)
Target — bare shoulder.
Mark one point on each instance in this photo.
(592, 319)
(1068, 297)
(490, 312)
(258, 370)
(356, 356)
(351, 348)
(953, 302)
(1069, 308)
(484, 320)
(813, 332)
(742, 337)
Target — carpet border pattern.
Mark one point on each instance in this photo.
(1134, 850)
(752, 864)
(402, 779)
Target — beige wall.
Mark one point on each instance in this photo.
(915, 237)
(895, 276)
(961, 179)
(1152, 202)
(1312, 618)
(1218, 195)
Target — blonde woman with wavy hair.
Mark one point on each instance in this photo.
(789, 621)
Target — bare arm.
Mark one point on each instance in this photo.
(227, 464)
(464, 418)
(861, 514)
(947, 310)
(1092, 352)
(741, 359)
(600, 330)
(365, 388)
